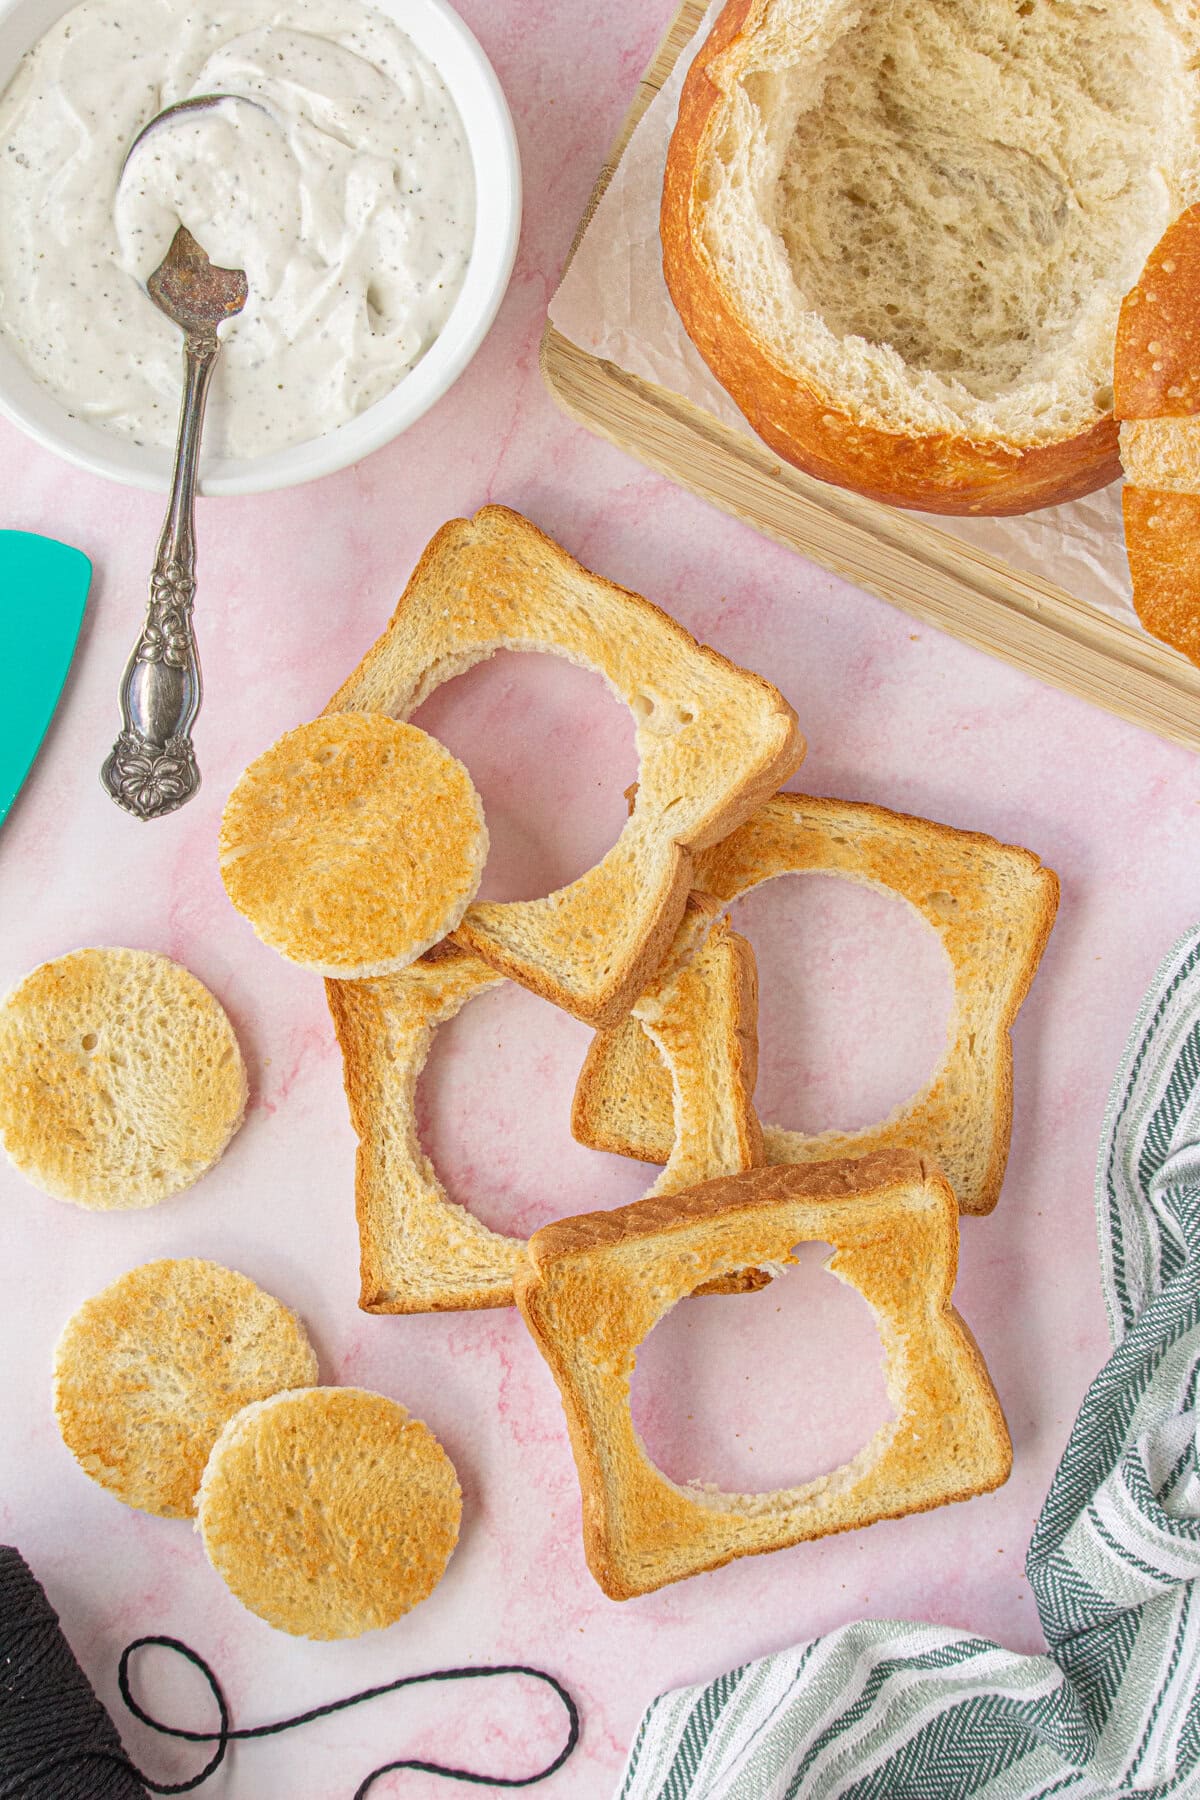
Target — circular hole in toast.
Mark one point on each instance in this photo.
(514, 1167)
(855, 997)
(148, 1371)
(419, 1250)
(329, 1511)
(550, 749)
(717, 1394)
(353, 844)
(494, 582)
(121, 1081)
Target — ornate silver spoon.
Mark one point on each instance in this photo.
(151, 768)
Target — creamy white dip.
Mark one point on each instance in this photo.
(349, 201)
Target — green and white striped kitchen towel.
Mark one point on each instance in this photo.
(888, 1711)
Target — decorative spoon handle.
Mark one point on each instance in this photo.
(151, 768)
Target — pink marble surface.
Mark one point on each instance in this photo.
(753, 1391)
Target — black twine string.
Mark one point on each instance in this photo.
(52, 1722)
(225, 1736)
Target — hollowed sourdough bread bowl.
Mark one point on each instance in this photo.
(899, 231)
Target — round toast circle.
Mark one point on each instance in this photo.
(121, 1081)
(353, 844)
(148, 1371)
(329, 1512)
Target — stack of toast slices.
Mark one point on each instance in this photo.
(640, 949)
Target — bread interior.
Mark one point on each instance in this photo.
(936, 205)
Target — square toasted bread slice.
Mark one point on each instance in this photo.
(594, 1287)
(422, 1251)
(713, 742)
(991, 904)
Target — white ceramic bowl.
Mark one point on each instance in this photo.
(454, 52)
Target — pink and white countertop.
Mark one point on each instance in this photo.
(748, 1391)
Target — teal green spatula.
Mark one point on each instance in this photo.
(43, 590)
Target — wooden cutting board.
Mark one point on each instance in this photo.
(1032, 623)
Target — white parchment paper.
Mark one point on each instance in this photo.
(613, 303)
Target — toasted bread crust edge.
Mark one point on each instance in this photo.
(805, 424)
(845, 1178)
(609, 1004)
(657, 1214)
(350, 1003)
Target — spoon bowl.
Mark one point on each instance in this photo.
(198, 103)
(193, 292)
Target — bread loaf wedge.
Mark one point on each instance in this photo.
(898, 231)
(423, 1252)
(1156, 384)
(713, 741)
(594, 1288)
(991, 904)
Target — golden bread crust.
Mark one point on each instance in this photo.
(121, 1080)
(1156, 375)
(148, 1372)
(353, 844)
(1156, 364)
(803, 422)
(713, 741)
(329, 1511)
(596, 1286)
(1162, 541)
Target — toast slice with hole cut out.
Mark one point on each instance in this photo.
(419, 1251)
(991, 904)
(594, 1287)
(713, 742)
(701, 1014)
(422, 1251)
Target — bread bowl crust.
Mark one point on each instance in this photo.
(803, 423)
